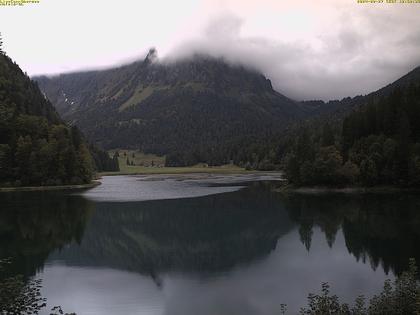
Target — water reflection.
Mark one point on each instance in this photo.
(379, 229)
(205, 234)
(238, 252)
(211, 233)
(32, 225)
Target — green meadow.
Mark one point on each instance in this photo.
(135, 162)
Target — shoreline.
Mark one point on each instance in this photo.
(183, 171)
(314, 190)
(94, 183)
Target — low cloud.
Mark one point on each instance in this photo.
(323, 49)
(355, 54)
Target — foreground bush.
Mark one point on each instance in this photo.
(400, 297)
(20, 297)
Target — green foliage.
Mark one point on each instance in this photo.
(380, 138)
(325, 304)
(327, 165)
(368, 172)
(103, 162)
(36, 147)
(57, 310)
(325, 168)
(400, 297)
(327, 135)
(350, 172)
(18, 296)
(378, 143)
(200, 110)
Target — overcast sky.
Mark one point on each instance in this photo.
(321, 49)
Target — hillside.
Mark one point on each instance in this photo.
(344, 106)
(375, 141)
(203, 110)
(36, 147)
(200, 107)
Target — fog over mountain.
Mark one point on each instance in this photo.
(310, 50)
(348, 62)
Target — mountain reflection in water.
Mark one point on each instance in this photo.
(255, 247)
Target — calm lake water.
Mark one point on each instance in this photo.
(201, 245)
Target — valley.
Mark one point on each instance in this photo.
(266, 161)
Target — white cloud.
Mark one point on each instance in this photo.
(324, 49)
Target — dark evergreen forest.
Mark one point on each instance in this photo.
(204, 110)
(36, 146)
(377, 143)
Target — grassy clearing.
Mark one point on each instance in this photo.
(153, 164)
(129, 159)
(139, 170)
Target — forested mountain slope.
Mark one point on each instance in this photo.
(374, 142)
(205, 110)
(36, 147)
(199, 108)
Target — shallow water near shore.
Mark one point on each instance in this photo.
(204, 244)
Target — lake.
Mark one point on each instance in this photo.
(204, 244)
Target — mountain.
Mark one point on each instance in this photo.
(347, 104)
(405, 82)
(372, 140)
(36, 146)
(202, 109)
(202, 105)
(146, 237)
